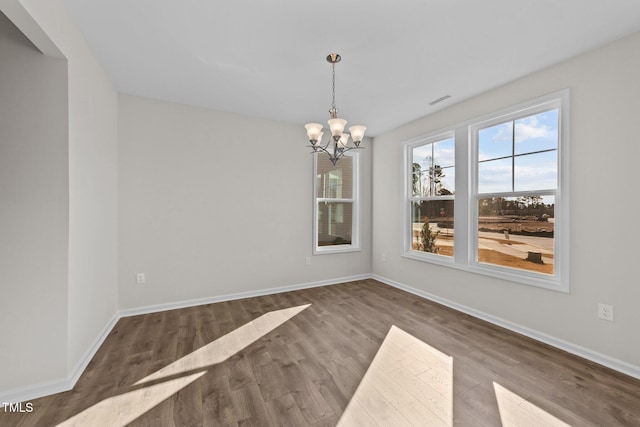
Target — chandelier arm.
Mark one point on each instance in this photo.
(318, 146)
(333, 158)
(318, 149)
(340, 153)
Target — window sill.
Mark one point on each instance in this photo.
(491, 271)
(323, 250)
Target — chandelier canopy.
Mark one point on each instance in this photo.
(338, 142)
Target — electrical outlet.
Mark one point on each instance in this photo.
(383, 258)
(140, 278)
(605, 312)
(307, 261)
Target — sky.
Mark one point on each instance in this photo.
(531, 171)
(443, 153)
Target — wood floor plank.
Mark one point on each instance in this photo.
(250, 406)
(283, 411)
(270, 380)
(311, 403)
(306, 370)
(217, 403)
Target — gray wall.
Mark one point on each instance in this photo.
(604, 224)
(75, 307)
(34, 211)
(213, 203)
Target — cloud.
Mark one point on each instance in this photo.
(530, 128)
(526, 128)
(445, 157)
(504, 133)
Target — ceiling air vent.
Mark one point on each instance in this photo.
(442, 98)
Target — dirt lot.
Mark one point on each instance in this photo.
(506, 260)
(515, 226)
(494, 257)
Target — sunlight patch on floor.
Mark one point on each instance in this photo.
(409, 383)
(122, 409)
(516, 411)
(150, 391)
(227, 345)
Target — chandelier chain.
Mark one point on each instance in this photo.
(333, 88)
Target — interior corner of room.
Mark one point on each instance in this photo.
(114, 205)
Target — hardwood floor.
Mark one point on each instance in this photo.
(273, 361)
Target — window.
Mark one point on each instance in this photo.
(336, 204)
(432, 191)
(506, 177)
(517, 182)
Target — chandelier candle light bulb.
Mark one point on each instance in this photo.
(338, 143)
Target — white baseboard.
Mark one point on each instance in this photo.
(23, 394)
(602, 359)
(235, 296)
(36, 391)
(47, 388)
(27, 393)
(91, 351)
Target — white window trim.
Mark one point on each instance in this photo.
(408, 191)
(466, 215)
(355, 220)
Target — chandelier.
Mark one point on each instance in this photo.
(338, 142)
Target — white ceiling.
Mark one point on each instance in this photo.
(267, 58)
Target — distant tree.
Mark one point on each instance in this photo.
(417, 179)
(493, 206)
(530, 205)
(435, 180)
(428, 237)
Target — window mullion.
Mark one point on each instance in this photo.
(513, 155)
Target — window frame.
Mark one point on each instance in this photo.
(409, 198)
(467, 196)
(355, 211)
